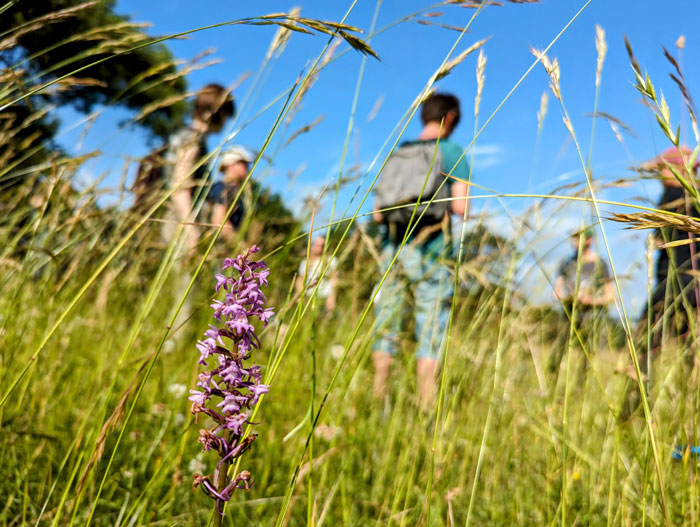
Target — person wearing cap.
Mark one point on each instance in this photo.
(583, 279)
(675, 294)
(234, 166)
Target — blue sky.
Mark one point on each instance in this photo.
(508, 157)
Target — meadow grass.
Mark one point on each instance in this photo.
(95, 365)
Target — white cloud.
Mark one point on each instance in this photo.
(485, 150)
(485, 156)
(487, 162)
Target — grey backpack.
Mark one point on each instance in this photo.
(403, 178)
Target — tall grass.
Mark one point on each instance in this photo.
(95, 366)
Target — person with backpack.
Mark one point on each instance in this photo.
(186, 163)
(428, 171)
(184, 170)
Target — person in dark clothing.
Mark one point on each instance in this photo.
(234, 166)
(593, 276)
(674, 299)
(672, 309)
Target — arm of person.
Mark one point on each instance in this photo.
(603, 299)
(300, 277)
(560, 291)
(331, 300)
(456, 165)
(460, 204)
(218, 216)
(609, 293)
(182, 196)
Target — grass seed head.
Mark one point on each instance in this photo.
(480, 79)
(601, 48)
(451, 64)
(542, 112)
(279, 41)
(552, 69)
(680, 42)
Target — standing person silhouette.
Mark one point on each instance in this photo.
(674, 300)
(671, 313)
(186, 172)
(185, 159)
(584, 288)
(312, 269)
(421, 278)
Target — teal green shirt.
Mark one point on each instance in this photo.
(451, 162)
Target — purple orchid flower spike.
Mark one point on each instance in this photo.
(228, 392)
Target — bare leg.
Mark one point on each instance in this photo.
(382, 365)
(425, 370)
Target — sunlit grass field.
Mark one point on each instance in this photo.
(96, 367)
(494, 455)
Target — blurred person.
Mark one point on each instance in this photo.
(583, 279)
(184, 158)
(234, 166)
(421, 277)
(671, 312)
(310, 274)
(185, 170)
(674, 298)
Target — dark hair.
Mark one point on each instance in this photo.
(436, 107)
(588, 233)
(214, 104)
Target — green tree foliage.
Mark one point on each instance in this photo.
(56, 37)
(40, 42)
